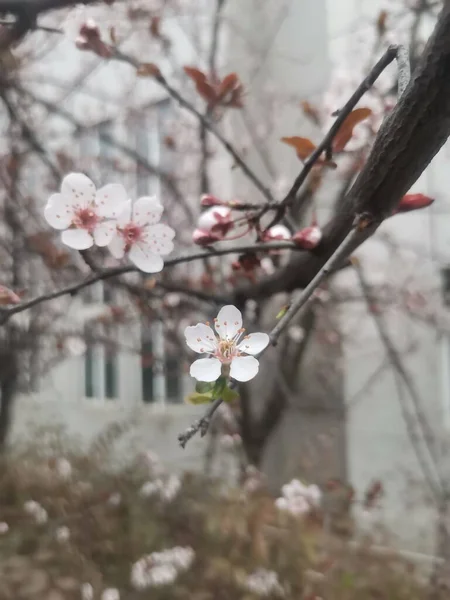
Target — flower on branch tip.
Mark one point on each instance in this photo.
(210, 200)
(141, 236)
(227, 349)
(85, 215)
(308, 238)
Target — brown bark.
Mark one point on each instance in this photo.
(408, 140)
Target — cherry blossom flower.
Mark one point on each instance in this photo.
(4, 527)
(161, 568)
(264, 583)
(298, 499)
(225, 349)
(85, 214)
(141, 236)
(110, 594)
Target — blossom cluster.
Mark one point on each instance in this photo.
(264, 583)
(37, 511)
(107, 217)
(166, 489)
(298, 499)
(161, 568)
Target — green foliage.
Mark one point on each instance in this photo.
(208, 392)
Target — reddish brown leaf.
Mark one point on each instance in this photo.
(310, 111)
(345, 132)
(155, 27)
(227, 85)
(303, 146)
(148, 70)
(381, 22)
(204, 88)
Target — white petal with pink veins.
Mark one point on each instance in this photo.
(104, 233)
(147, 210)
(78, 188)
(124, 216)
(228, 322)
(159, 238)
(206, 369)
(59, 211)
(110, 199)
(145, 260)
(79, 239)
(244, 368)
(200, 338)
(117, 246)
(254, 343)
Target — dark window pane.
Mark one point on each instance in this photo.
(89, 372)
(173, 379)
(147, 372)
(111, 387)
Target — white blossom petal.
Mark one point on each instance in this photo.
(200, 338)
(159, 238)
(206, 369)
(104, 232)
(59, 211)
(254, 343)
(78, 188)
(124, 215)
(147, 211)
(145, 260)
(110, 200)
(244, 368)
(117, 246)
(79, 239)
(228, 322)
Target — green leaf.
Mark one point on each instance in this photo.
(229, 395)
(202, 387)
(219, 386)
(282, 312)
(196, 398)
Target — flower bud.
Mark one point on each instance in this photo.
(413, 202)
(308, 238)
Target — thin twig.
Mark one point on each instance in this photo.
(402, 372)
(118, 55)
(5, 314)
(333, 263)
(201, 424)
(325, 145)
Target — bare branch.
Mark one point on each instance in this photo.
(201, 424)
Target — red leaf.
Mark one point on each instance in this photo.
(205, 89)
(148, 70)
(310, 111)
(345, 131)
(229, 91)
(413, 202)
(303, 146)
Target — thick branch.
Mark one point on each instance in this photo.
(408, 140)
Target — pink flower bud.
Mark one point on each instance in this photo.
(216, 220)
(210, 200)
(308, 238)
(204, 238)
(277, 232)
(7, 296)
(413, 202)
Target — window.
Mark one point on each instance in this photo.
(101, 357)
